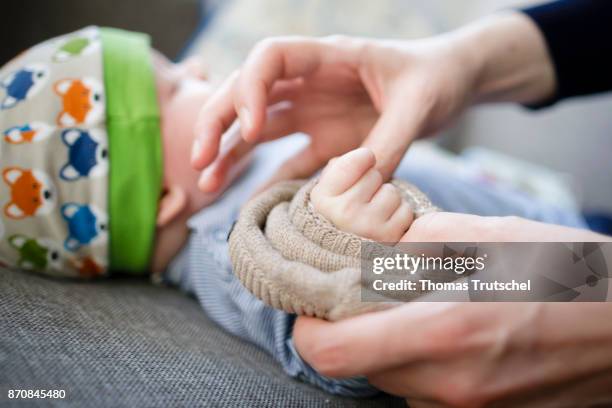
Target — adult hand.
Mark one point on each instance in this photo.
(345, 92)
(340, 91)
(472, 354)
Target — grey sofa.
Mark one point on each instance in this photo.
(125, 342)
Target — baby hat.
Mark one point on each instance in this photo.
(80, 155)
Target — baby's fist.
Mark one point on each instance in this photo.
(351, 195)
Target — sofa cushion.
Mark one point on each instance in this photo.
(125, 342)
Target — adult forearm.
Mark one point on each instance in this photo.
(510, 57)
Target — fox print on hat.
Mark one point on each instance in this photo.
(81, 155)
(87, 154)
(86, 224)
(28, 133)
(84, 42)
(32, 193)
(23, 84)
(82, 101)
(36, 254)
(54, 158)
(89, 267)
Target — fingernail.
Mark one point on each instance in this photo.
(207, 173)
(362, 150)
(204, 183)
(245, 118)
(195, 150)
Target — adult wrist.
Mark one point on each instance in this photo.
(512, 63)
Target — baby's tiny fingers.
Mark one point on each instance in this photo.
(401, 220)
(386, 200)
(343, 172)
(365, 188)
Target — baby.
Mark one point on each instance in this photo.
(95, 133)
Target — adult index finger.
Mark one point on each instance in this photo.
(277, 59)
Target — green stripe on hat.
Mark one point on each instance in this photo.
(135, 152)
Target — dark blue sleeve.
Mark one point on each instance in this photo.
(578, 34)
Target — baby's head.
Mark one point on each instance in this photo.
(95, 130)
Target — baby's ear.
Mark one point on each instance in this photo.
(171, 205)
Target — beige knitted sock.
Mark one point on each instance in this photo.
(294, 260)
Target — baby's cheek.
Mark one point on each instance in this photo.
(179, 115)
(178, 123)
(180, 112)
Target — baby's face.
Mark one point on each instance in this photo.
(182, 90)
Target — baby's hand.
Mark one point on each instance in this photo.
(351, 194)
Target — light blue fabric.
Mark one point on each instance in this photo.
(203, 267)
(460, 195)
